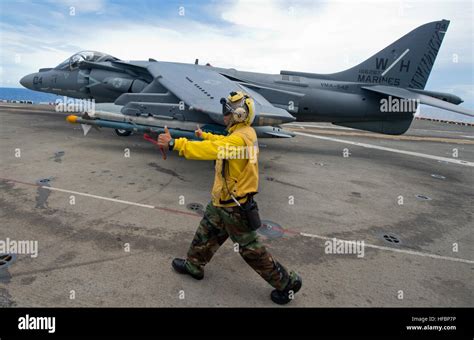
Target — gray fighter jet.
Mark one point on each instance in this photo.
(380, 95)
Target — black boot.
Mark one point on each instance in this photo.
(282, 297)
(180, 266)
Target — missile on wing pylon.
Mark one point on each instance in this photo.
(132, 126)
(155, 124)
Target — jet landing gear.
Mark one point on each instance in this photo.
(123, 133)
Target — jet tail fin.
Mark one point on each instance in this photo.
(405, 63)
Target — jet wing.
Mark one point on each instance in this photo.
(201, 88)
(423, 98)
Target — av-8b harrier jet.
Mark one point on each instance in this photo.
(145, 96)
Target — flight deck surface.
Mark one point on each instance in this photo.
(108, 226)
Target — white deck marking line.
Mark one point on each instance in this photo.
(404, 251)
(371, 146)
(395, 62)
(99, 197)
(319, 126)
(116, 200)
(442, 131)
(410, 252)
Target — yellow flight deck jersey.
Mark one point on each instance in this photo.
(240, 149)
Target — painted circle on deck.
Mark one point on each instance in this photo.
(271, 229)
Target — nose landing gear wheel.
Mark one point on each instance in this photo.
(123, 133)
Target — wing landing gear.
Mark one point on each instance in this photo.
(123, 133)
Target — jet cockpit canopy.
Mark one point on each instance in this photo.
(77, 59)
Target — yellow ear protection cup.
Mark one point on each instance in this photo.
(250, 109)
(242, 101)
(239, 115)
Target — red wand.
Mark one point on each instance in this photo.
(148, 138)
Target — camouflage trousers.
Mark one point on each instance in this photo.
(216, 226)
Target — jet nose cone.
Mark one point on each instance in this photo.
(27, 81)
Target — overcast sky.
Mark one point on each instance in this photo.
(263, 36)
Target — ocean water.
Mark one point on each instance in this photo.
(8, 93)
